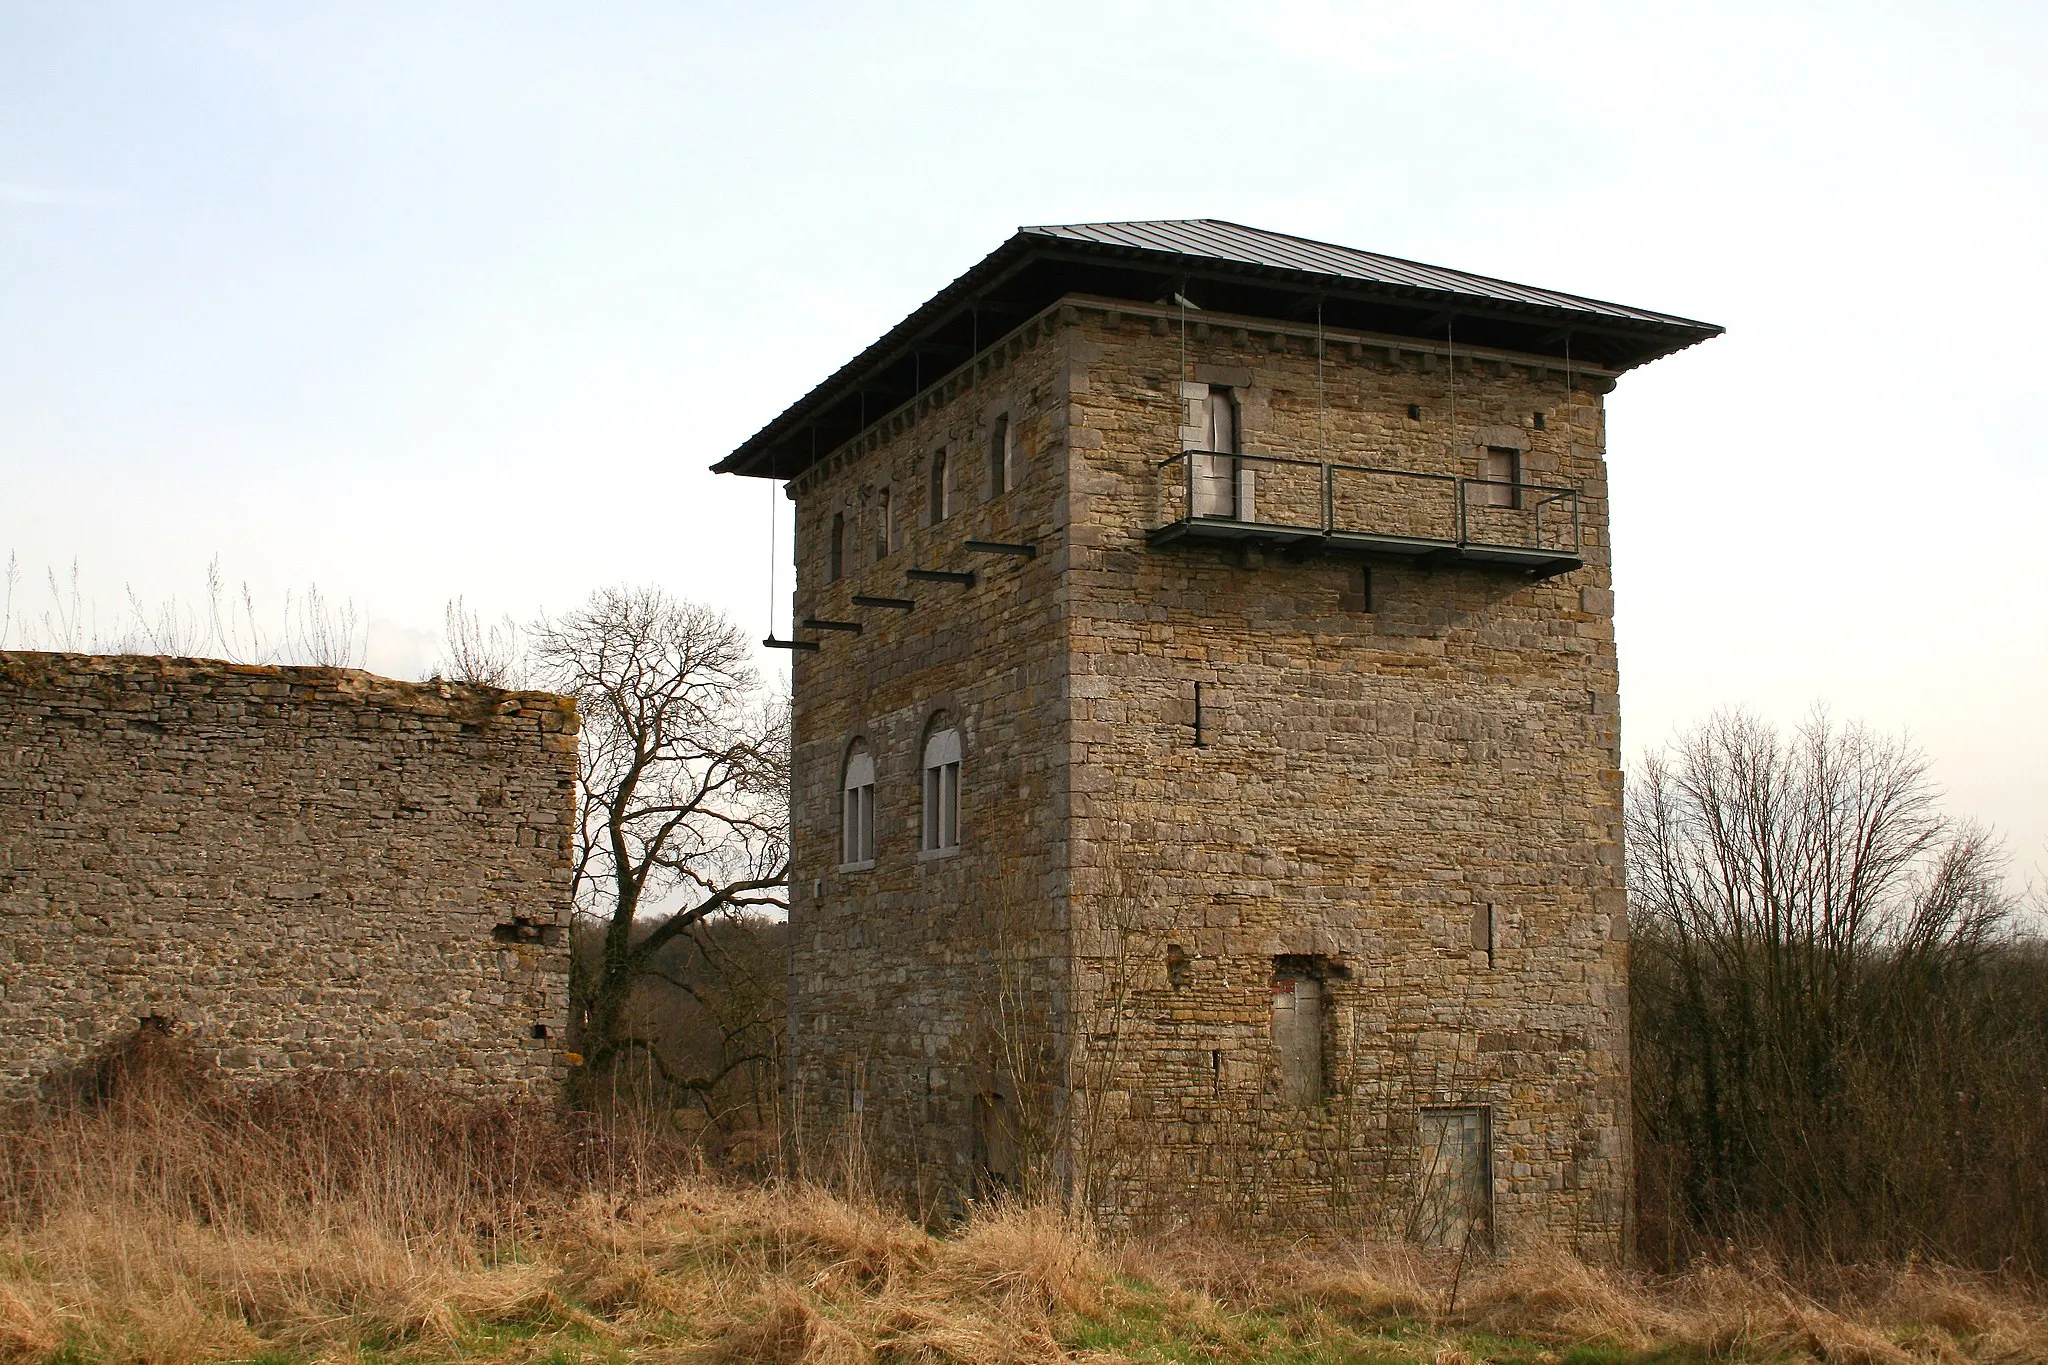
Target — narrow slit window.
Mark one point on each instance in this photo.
(885, 522)
(942, 487)
(1001, 471)
(1483, 932)
(942, 788)
(857, 807)
(835, 549)
(1357, 593)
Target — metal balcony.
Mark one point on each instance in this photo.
(1319, 505)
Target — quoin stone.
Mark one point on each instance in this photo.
(1207, 792)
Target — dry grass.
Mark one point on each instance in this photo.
(168, 1222)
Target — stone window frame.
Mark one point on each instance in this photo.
(936, 789)
(1485, 442)
(1233, 469)
(856, 813)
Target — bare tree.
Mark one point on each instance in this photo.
(683, 807)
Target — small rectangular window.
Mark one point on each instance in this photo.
(835, 549)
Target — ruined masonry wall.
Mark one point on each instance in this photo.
(299, 867)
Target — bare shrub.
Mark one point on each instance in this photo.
(490, 656)
(711, 1010)
(312, 629)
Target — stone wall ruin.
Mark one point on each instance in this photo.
(297, 868)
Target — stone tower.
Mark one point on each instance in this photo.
(1207, 804)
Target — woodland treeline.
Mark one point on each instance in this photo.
(1840, 1010)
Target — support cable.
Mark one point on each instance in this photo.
(1322, 428)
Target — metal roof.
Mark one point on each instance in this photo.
(1224, 267)
(1216, 240)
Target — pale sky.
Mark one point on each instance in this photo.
(424, 299)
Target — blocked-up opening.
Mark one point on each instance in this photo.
(1454, 1178)
(1298, 1030)
(995, 1141)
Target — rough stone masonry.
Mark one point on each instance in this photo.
(1253, 597)
(296, 867)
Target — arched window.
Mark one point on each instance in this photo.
(942, 786)
(835, 552)
(857, 807)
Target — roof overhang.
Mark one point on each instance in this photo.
(1232, 270)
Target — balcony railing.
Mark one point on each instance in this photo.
(1318, 504)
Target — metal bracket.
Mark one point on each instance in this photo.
(814, 623)
(861, 599)
(964, 577)
(774, 643)
(1002, 547)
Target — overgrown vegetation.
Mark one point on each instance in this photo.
(312, 628)
(711, 1006)
(156, 1217)
(1841, 1031)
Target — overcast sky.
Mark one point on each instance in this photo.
(412, 300)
